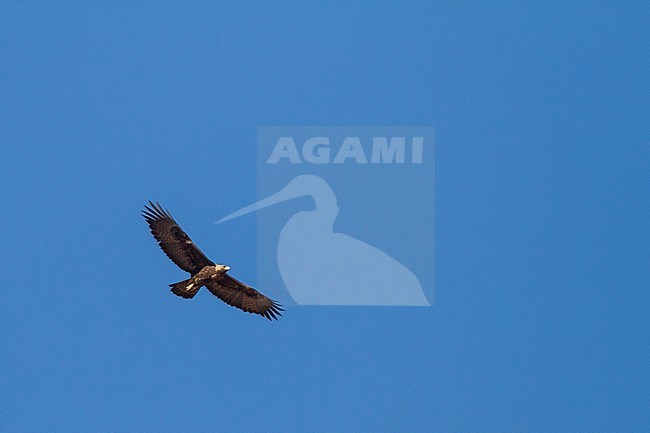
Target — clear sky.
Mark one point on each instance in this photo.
(540, 319)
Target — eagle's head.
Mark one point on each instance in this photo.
(221, 269)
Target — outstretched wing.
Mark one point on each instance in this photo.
(234, 292)
(173, 240)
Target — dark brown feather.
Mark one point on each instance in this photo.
(180, 289)
(173, 240)
(234, 292)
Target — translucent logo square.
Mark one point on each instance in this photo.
(345, 215)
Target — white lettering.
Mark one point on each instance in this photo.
(351, 148)
(417, 144)
(382, 152)
(284, 148)
(317, 150)
(322, 154)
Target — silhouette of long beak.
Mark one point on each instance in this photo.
(286, 193)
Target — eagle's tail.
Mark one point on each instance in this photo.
(185, 289)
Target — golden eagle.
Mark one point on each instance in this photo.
(181, 250)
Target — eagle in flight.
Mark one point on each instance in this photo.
(181, 250)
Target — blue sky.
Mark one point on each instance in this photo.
(540, 322)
